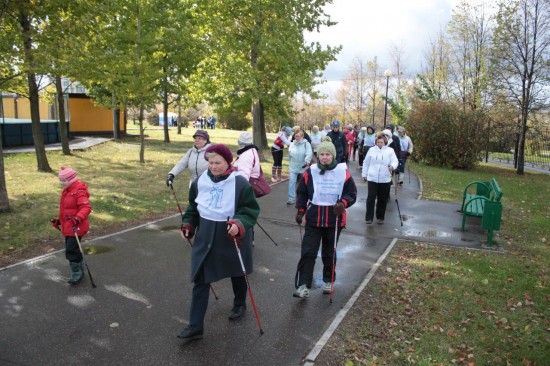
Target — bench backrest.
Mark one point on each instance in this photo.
(496, 192)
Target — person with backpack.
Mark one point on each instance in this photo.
(324, 192)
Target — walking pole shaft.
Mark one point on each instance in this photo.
(84, 259)
(260, 226)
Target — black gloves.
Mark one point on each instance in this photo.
(169, 180)
(339, 208)
(187, 230)
(55, 223)
(74, 221)
(299, 217)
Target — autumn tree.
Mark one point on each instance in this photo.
(521, 60)
(257, 52)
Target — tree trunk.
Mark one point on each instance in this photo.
(41, 158)
(165, 114)
(179, 119)
(258, 125)
(116, 117)
(141, 135)
(4, 201)
(521, 148)
(62, 123)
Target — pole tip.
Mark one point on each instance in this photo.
(261, 332)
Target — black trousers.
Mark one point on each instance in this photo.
(316, 237)
(72, 251)
(378, 193)
(277, 157)
(201, 293)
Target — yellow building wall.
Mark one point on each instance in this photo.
(86, 117)
(24, 108)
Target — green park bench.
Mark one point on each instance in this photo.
(484, 203)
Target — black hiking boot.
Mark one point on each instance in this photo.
(191, 332)
(237, 312)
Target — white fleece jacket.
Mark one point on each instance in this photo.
(375, 165)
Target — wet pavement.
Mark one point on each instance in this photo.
(143, 291)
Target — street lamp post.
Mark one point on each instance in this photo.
(387, 74)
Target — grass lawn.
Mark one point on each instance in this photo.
(123, 192)
(435, 305)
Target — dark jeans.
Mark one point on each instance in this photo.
(277, 157)
(201, 293)
(72, 251)
(379, 193)
(402, 162)
(315, 237)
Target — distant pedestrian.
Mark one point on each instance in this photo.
(316, 138)
(356, 131)
(283, 138)
(323, 194)
(350, 137)
(340, 142)
(299, 157)
(193, 160)
(367, 142)
(217, 194)
(325, 131)
(74, 209)
(406, 145)
(378, 166)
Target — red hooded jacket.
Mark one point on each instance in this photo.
(75, 203)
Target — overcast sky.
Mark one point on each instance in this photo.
(366, 28)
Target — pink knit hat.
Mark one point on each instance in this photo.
(69, 174)
(221, 150)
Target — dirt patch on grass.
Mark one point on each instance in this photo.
(47, 246)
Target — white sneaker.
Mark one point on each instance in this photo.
(301, 292)
(326, 288)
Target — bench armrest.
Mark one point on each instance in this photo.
(476, 183)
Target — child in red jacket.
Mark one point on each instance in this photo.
(74, 209)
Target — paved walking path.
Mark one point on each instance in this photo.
(143, 291)
(78, 143)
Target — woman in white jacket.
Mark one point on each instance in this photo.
(193, 159)
(378, 167)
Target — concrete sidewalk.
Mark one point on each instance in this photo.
(143, 292)
(78, 143)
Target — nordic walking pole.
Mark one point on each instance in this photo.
(176, 198)
(248, 284)
(334, 258)
(189, 241)
(83, 258)
(397, 202)
(265, 232)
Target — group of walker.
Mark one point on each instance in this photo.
(223, 210)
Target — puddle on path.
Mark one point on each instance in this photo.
(428, 234)
(96, 249)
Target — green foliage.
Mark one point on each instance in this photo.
(424, 90)
(443, 135)
(398, 108)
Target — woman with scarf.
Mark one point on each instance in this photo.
(324, 193)
(222, 208)
(193, 159)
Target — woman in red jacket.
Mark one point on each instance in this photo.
(74, 209)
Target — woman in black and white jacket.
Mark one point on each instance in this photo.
(378, 167)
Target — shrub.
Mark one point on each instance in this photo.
(443, 135)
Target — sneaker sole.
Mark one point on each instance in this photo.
(300, 297)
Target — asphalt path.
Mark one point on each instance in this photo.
(143, 290)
